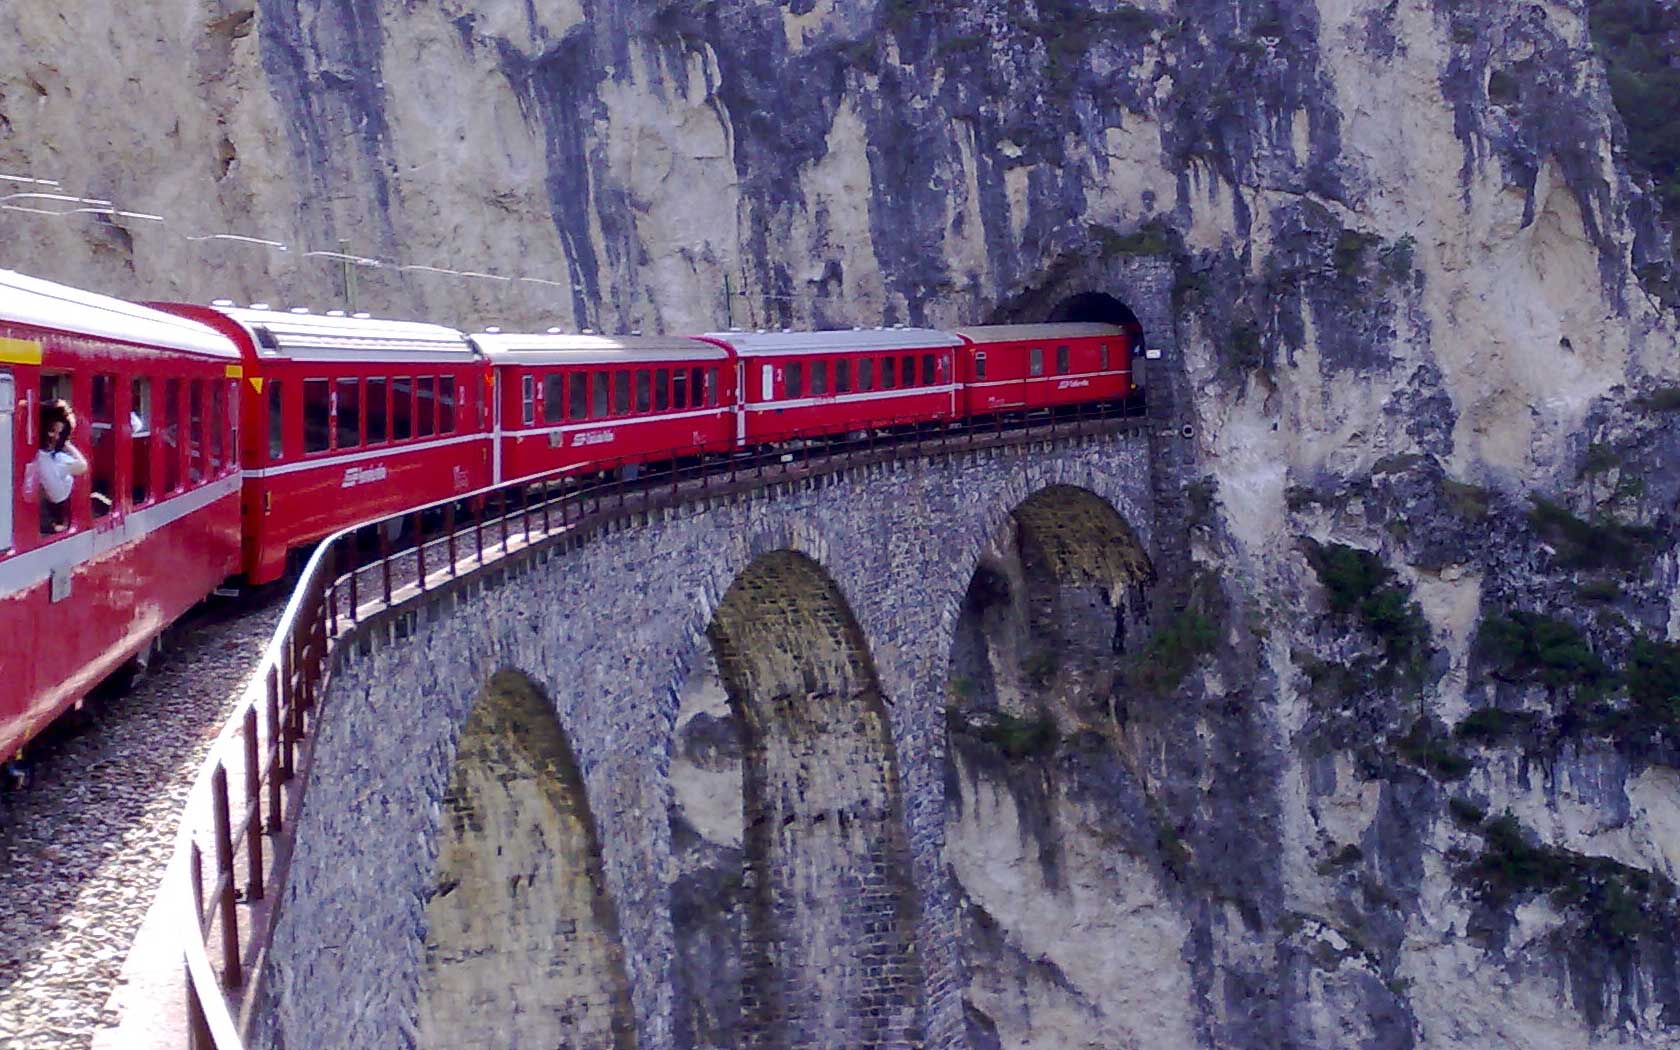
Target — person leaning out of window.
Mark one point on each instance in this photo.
(56, 466)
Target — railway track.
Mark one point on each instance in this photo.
(84, 847)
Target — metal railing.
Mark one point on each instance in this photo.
(252, 784)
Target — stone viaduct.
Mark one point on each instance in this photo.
(683, 784)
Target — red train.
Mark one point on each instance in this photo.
(219, 440)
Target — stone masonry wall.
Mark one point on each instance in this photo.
(611, 632)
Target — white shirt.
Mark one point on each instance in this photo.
(56, 472)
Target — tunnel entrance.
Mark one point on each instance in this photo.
(1098, 308)
(793, 909)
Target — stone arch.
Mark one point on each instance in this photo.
(800, 904)
(1099, 308)
(522, 944)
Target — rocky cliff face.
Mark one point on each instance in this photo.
(1397, 765)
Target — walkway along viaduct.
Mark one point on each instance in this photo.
(671, 775)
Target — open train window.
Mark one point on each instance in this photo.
(276, 421)
(819, 378)
(317, 414)
(930, 374)
(580, 396)
(980, 365)
(378, 411)
(661, 389)
(402, 409)
(446, 404)
(793, 377)
(644, 391)
(140, 440)
(425, 396)
(842, 377)
(1063, 361)
(711, 387)
(171, 448)
(621, 394)
(1035, 361)
(349, 412)
(554, 397)
(889, 373)
(527, 399)
(679, 389)
(102, 443)
(603, 392)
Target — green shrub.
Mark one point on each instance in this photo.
(1580, 544)
(1663, 399)
(1467, 501)
(1465, 813)
(1173, 651)
(1360, 586)
(1016, 737)
(1488, 725)
(1530, 647)
(1599, 591)
(1653, 680)
(1599, 458)
(1427, 748)
(1152, 238)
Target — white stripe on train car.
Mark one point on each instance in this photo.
(834, 399)
(617, 421)
(357, 457)
(1050, 379)
(36, 566)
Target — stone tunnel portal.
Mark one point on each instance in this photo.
(1098, 308)
(804, 890)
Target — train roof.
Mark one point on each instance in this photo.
(1022, 333)
(325, 337)
(571, 349)
(43, 304)
(767, 344)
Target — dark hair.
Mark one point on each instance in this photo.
(57, 410)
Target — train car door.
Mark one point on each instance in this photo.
(8, 407)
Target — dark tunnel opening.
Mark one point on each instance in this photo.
(1098, 308)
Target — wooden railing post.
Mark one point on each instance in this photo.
(253, 811)
(232, 972)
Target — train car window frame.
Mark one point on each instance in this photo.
(196, 451)
(275, 392)
(843, 376)
(402, 408)
(713, 388)
(347, 421)
(218, 430)
(866, 374)
(578, 388)
(793, 380)
(554, 397)
(1035, 362)
(425, 406)
(980, 366)
(140, 441)
(376, 410)
(679, 389)
(527, 399)
(907, 371)
(621, 392)
(930, 369)
(889, 373)
(697, 387)
(8, 458)
(1104, 359)
(602, 399)
(644, 391)
(446, 405)
(317, 416)
(174, 445)
(102, 442)
(661, 389)
(819, 378)
(1064, 360)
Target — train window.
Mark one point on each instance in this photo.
(402, 409)
(644, 392)
(140, 440)
(171, 435)
(1035, 363)
(102, 451)
(195, 429)
(218, 428)
(697, 387)
(425, 397)
(1104, 364)
(1062, 360)
(579, 408)
(621, 394)
(554, 397)
(793, 376)
(603, 390)
(907, 371)
(446, 405)
(866, 374)
(889, 373)
(661, 389)
(679, 388)
(8, 433)
(276, 421)
(527, 399)
(930, 374)
(842, 377)
(980, 366)
(349, 412)
(317, 415)
(377, 411)
(819, 378)
(711, 387)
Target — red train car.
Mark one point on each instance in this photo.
(569, 401)
(150, 529)
(805, 384)
(1006, 368)
(348, 419)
